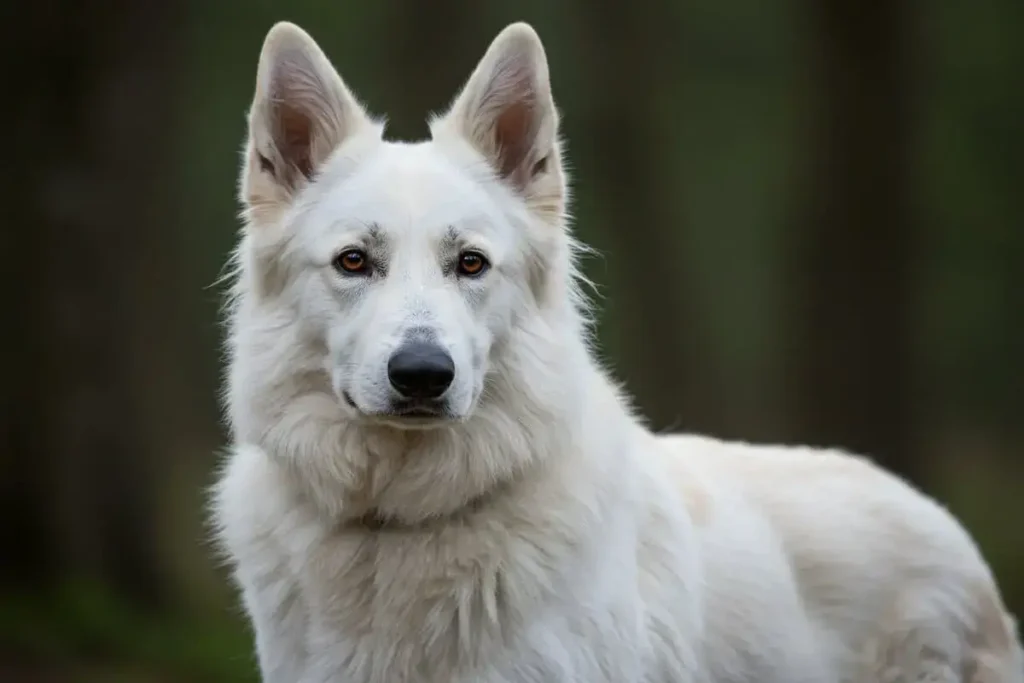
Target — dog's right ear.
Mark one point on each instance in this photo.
(506, 111)
(301, 112)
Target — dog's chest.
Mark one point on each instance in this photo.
(390, 608)
(402, 606)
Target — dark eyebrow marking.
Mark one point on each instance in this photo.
(375, 237)
(374, 233)
(451, 238)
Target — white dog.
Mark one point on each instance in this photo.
(434, 481)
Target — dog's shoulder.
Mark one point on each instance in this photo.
(254, 507)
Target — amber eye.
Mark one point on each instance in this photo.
(472, 263)
(352, 262)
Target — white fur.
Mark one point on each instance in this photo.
(538, 533)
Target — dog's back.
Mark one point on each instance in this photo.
(892, 585)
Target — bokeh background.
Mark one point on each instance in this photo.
(809, 222)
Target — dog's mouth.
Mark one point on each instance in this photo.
(416, 414)
(413, 418)
(406, 414)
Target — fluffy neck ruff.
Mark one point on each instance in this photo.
(374, 521)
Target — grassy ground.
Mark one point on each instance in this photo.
(81, 634)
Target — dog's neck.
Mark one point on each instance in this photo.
(416, 481)
(375, 521)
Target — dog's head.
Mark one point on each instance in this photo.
(406, 266)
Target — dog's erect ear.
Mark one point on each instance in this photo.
(506, 110)
(301, 112)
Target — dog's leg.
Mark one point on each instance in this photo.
(280, 622)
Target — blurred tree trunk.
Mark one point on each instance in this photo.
(854, 276)
(89, 252)
(629, 52)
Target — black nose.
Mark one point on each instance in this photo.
(421, 369)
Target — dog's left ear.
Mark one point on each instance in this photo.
(507, 113)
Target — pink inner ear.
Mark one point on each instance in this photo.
(513, 135)
(295, 138)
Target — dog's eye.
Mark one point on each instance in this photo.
(352, 262)
(472, 263)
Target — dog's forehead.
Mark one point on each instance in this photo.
(408, 186)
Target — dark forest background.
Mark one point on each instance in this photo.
(808, 214)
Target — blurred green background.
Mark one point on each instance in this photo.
(809, 222)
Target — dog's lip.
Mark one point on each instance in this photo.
(413, 413)
(417, 411)
(412, 419)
